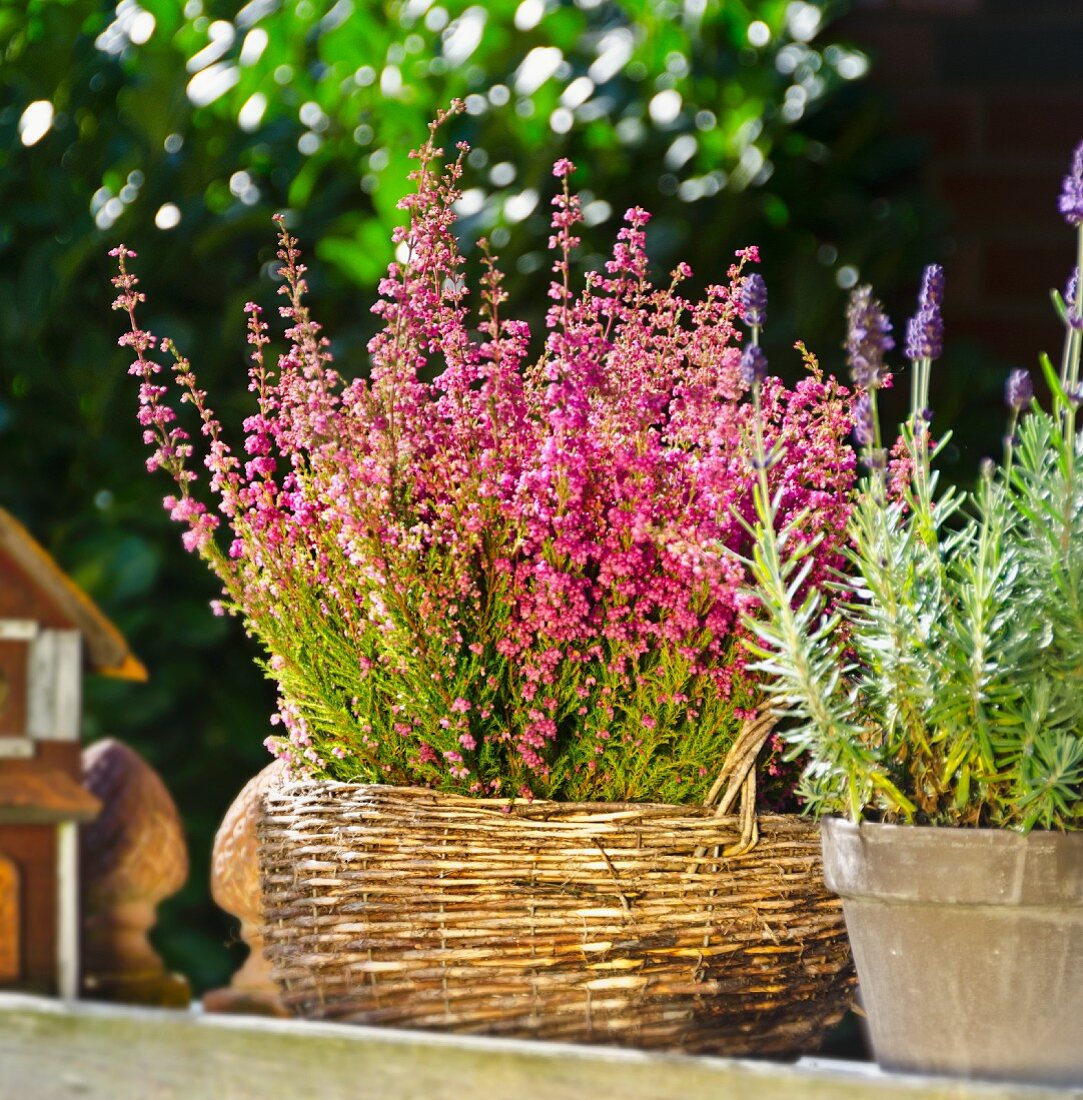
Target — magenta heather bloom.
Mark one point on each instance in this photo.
(491, 570)
(1070, 202)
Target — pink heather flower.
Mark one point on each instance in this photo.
(507, 547)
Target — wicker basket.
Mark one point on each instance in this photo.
(670, 927)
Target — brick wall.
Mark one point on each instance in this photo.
(995, 89)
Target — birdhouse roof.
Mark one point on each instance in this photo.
(107, 651)
(41, 796)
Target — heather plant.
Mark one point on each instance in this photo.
(488, 569)
(945, 689)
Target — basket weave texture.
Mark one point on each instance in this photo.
(617, 923)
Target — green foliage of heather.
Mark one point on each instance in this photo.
(786, 152)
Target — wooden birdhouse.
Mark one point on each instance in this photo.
(50, 633)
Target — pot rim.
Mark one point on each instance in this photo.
(952, 865)
(837, 821)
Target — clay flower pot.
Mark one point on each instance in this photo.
(968, 945)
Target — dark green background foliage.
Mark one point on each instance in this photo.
(778, 144)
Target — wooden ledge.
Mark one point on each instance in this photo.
(50, 1050)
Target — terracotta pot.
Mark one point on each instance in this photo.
(968, 945)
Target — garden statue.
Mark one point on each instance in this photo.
(235, 887)
(133, 857)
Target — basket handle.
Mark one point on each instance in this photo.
(737, 779)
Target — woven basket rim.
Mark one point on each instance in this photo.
(297, 786)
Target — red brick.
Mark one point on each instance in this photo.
(936, 7)
(1026, 53)
(1048, 125)
(992, 195)
(922, 7)
(950, 123)
(1027, 272)
(965, 271)
(1013, 337)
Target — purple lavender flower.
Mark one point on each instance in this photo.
(925, 330)
(863, 422)
(1018, 390)
(875, 458)
(868, 337)
(753, 365)
(754, 300)
(1074, 320)
(925, 335)
(1071, 194)
(932, 286)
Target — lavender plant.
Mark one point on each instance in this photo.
(943, 688)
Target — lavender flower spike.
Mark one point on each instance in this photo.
(863, 425)
(1070, 202)
(868, 338)
(932, 286)
(753, 300)
(925, 330)
(1074, 320)
(1018, 390)
(925, 335)
(753, 365)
